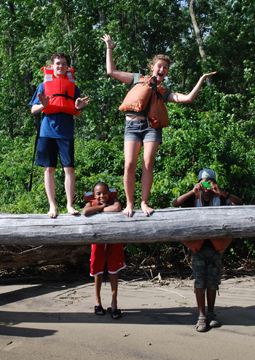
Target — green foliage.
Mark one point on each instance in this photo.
(216, 130)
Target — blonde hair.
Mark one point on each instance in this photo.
(159, 57)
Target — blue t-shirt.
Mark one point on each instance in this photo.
(59, 125)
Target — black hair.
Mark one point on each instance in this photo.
(102, 184)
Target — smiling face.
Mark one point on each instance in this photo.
(101, 194)
(59, 67)
(159, 69)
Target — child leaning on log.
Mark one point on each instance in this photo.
(104, 202)
(206, 254)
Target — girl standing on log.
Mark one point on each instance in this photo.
(138, 130)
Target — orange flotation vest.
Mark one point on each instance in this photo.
(219, 244)
(143, 92)
(60, 91)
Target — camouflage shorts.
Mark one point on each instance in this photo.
(207, 269)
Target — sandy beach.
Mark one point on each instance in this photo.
(57, 321)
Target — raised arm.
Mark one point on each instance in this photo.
(181, 98)
(39, 107)
(80, 103)
(234, 199)
(182, 198)
(110, 66)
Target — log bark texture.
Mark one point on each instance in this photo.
(22, 256)
(172, 224)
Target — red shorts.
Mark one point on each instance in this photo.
(115, 259)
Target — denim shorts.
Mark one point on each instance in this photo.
(48, 150)
(140, 130)
(207, 270)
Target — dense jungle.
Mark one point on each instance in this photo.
(216, 131)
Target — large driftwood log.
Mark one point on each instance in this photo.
(172, 224)
(22, 256)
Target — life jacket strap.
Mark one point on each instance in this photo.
(66, 96)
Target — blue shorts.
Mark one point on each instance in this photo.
(207, 270)
(140, 130)
(48, 150)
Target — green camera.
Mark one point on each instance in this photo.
(206, 184)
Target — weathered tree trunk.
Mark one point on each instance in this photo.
(172, 224)
(32, 239)
(21, 256)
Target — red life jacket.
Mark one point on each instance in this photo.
(219, 244)
(60, 91)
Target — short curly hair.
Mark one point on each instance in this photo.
(100, 183)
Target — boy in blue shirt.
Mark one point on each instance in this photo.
(57, 129)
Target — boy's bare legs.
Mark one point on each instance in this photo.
(149, 154)
(211, 318)
(114, 286)
(69, 188)
(49, 183)
(211, 296)
(201, 323)
(98, 284)
(131, 152)
(200, 296)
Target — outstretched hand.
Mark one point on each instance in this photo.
(205, 76)
(81, 102)
(108, 41)
(43, 99)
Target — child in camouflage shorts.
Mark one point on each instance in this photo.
(206, 254)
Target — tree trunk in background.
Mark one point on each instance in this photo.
(198, 36)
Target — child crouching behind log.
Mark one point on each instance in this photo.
(206, 254)
(105, 201)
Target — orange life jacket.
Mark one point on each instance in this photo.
(89, 196)
(60, 91)
(143, 92)
(219, 244)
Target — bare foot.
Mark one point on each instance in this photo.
(72, 211)
(146, 209)
(128, 210)
(53, 211)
